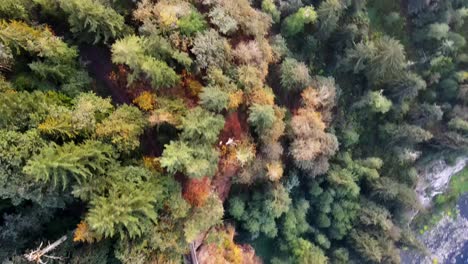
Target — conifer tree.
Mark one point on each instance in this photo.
(93, 20)
(60, 163)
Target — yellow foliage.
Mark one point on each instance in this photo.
(194, 87)
(262, 96)
(145, 101)
(463, 76)
(165, 13)
(245, 152)
(58, 126)
(274, 170)
(235, 99)
(159, 117)
(152, 163)
(278, 127)
(310, 98)
(250, 77)
(169, 13)
(84, 234)
(168, 17)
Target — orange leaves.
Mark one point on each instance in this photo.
(196, 191)
(219, 247)
(84, 234)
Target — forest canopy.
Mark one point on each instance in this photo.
(247, 131)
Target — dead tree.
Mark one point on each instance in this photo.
(37, 255)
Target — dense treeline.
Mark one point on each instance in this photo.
(295, 124)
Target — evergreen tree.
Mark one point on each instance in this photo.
(93, 20)
(123, 128)
(59, 163)
(126, 206)
(296, 22)
(261, 117)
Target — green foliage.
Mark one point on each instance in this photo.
(378, 103)
(336, 208)
(390, 190)
(387, 111)
(136, 53)
(384, 59)
(39, 41)
(23, 110)
(123, 128)
(192, 23)
(295, 23)
(294, 75)
(329, 13)
(93, 20)
(95, 253)
(18, 229)
(410, 134)
(295, 221)
(15, 150)
(225, 23)
(426, 115)
(81, 120)
(196, 161)
(269, 7)
(13, 9)
(306, 252)
(160, 74)
(263, 208)
(261, 117)
(367, 246)
(389, 61)
(340, 256)
(279, 46)
(214, 99)
(438, 31)
(58, 65)
(59, 163)
(236, 207)
(201, 127)
(458, 124)
(129, 50)
(126, 206)
(203, 218)
(211, 50)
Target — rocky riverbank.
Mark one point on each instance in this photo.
(444, 242)
(434, 179)
(448, 239)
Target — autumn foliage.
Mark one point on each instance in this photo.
(196, 191)
(83, 233)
